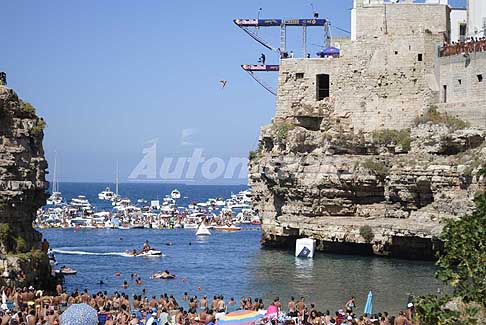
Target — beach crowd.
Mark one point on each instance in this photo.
(471, 45)
(32, 307)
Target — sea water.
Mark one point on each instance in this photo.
(230, 264)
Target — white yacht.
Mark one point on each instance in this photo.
(56, 196)
(175, 194)
(107, 194)
(80, 202)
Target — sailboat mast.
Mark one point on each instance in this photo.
(116, 181)
(54, 181)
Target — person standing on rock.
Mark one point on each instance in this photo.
(45, 246)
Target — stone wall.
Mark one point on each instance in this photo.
(465, 96)
(22, 191)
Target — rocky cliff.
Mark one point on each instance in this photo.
(385, 192)
(22, 191)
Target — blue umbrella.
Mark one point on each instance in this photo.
(369, 304)
(79, 314)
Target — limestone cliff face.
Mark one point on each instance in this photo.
(385, 193)
(22, 190)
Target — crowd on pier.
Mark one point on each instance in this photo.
(32, 307)
(471, 45)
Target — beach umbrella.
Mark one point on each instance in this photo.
(79, 314)
(369, 304)
(243, 317)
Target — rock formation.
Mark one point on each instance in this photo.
(22, 191)
(386, 192)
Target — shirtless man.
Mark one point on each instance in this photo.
(204, 302)
(214, 303)
(31, 319)
(291, 305)
(179, 317)
(401, 319)
(53, 317)
(221, 305)
(301, 305)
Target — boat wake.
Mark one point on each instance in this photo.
(62, 251)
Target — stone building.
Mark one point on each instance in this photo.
(391, 68)
(371, 151)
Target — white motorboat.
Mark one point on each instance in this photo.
(175, 194)
(107, 194)
(55, 198)
(149, 253)
(202, 230)
(80, 202)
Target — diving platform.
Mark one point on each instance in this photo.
(260, 67)
(279, 22)
(252, 68)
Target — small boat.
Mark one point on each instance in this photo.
(66, 271)
(203, 230)
(52, 259)
(190, 226)
(227, 228)
(175, 194)
(163, 275)
(149, 253)
(107, 194)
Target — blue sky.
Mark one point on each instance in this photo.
(110, 75)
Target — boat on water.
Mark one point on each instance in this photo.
(64, 270)
(56, 197)
(175, 194)
(227, 228)
(148, 253)
(202, 230)
(52, 258)
(107, 194)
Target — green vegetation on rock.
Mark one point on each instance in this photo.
(282, 130)
(252, 155)
(377, 167)
(389, 137)
(462, 266)
(38, 127)
(20, 244)
(436, 117)
(28, 108)
(367, 233)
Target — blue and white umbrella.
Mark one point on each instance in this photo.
(369, 304)
(79, 314)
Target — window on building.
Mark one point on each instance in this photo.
(299, 75)
(420, 57)
(462, 32)
(480, 77)
(444, 98)
(322, 86)
(459, 81)
(396, 52)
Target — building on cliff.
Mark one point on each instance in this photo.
(369, 151)
(22, 192)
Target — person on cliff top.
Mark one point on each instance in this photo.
(262, 59)
(45, 246)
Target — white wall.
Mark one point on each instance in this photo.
(476, 18)
(458, 16)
